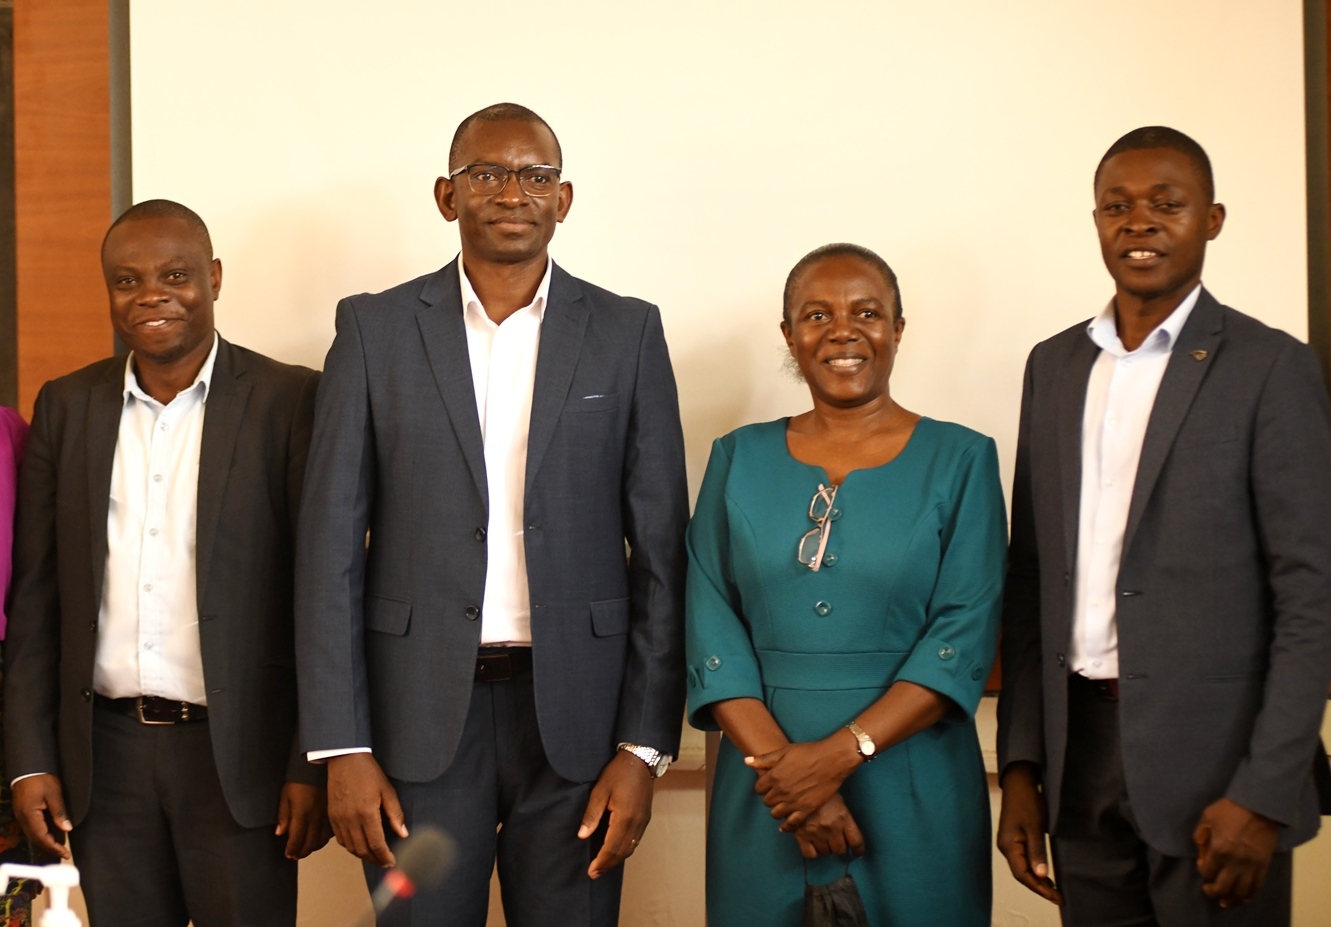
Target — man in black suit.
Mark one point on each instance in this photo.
(1167, 625)
(501, 430)
(150, 680)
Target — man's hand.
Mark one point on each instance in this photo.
(359, 798)
(625, 789)
(1022, 825)
(302, 814)
(1234, 849)
(34, 798)
(830, 830)
(798, 779)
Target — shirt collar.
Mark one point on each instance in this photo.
(471, 303)
(202, 382)
(1103, 329)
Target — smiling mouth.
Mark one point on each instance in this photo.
(158, 323)
(844, 363)
(1142, 254)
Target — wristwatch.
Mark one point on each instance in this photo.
(866, 747)
(656, 761)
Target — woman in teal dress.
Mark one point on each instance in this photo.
(845, 572)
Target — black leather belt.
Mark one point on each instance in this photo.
(500, 664)
(1106, 689)
(152, 709)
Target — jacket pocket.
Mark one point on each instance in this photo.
(596, 402)
(610, 617)
(387, 616)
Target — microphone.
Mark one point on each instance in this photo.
(423, 859)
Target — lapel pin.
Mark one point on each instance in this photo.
(1199, 355)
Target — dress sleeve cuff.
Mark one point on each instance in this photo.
(717, 678)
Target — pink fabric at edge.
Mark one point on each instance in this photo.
(13, 436)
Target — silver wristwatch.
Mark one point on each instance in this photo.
(865, 745)
(656, 761)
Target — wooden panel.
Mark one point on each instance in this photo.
(62, 160)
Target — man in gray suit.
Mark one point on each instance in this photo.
(150, 680)
(1167, 625)
(501, 430)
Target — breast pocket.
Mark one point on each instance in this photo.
(593, 402)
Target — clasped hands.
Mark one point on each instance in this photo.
(801, 785)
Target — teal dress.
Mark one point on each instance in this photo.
(910, 589)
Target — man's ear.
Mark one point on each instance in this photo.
(443, 198)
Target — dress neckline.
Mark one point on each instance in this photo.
(905, 449)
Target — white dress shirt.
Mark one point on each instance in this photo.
(1119, 398)
(148, 626)
(503, 376)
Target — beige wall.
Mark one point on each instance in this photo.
(710, 145)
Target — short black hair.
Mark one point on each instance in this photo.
(836, 250)
(164, 209)
(499, 112)
(1148, 137)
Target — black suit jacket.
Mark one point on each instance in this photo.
(388, 631)
(1224, 586)
(252, 462)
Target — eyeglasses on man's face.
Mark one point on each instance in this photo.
(489, 179)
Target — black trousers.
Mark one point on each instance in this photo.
(1108, 875)
(501, 801)
(159, 846)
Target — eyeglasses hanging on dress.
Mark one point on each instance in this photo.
(813, 545)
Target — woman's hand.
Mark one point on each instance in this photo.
(829, 830)
(799, 779)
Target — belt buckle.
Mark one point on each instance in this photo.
(138, 705)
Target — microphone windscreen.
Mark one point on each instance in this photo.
(426, 856)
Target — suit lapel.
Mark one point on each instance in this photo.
(444, 333)
(228, 394)
(1183, 375)
(1071, 411)
(556, 359)
(102, 429)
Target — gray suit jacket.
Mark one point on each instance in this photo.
(1224, 587)
(255, 436)
(388, 631)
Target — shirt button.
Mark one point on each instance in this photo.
(147, 587)
(713, 663)
(472, 613)
(480, 534)
(148, 645)
(946, 652)
(152, 532)
(829, 559)
(157, 477)
(165, 426)
(823, 609)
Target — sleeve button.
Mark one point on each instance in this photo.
(946, 652)
(977, 673)
(713, 663)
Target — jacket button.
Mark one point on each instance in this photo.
(946, 652)
(1062, 660)
(472, 613)
(713, 663)
(92, 626)
(822, 609)
(480, 534)
(87, 695)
